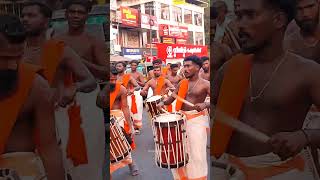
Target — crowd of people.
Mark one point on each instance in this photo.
(50, 125)
(190, 80)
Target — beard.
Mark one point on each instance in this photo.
(34, 32)
(112, 87)
(8, 80)
(308, 26)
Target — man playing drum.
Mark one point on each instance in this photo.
(119, 108)
(269, 89)
(25, 105)
(195, 90)
(136, 100)
(173, 76)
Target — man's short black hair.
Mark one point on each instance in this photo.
(286, 6)
(85, 3)
(45, 10)
(174, 66)
(134, 62)
(123, 63)
(195, 59)
(204, 58)
(113, 70)
(157, 61)
(12, 28)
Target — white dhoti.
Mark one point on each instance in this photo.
(26, 165)
(94, 132)
(265, 167)
(197, 167)
(150, 92)
(137, 117)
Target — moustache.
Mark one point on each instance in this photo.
(8, 79)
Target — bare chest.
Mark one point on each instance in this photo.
(82, 49)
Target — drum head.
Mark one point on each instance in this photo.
(153, 98)
(169, 119)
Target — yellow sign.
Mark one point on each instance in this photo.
(178, 2)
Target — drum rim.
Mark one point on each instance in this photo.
(173, 166)
(121, 157)
(146, 101)
(183, 117)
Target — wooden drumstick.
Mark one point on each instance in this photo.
(241, 127)
(164, 110)
(181, 99)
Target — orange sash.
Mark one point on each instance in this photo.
(233, 91)
(10, 107)
(254, 173)
(183, 89)
(76, 147)
(51, 57)
(160, 83)
(125, 80)
(114, 94)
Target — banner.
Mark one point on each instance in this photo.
(178, 2)
(129, 16)
(179, 51)
(173, 31)
(147, 19)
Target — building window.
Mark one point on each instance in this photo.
(133, 39)
(149, 8)
(199, 38)
(153, 35)
(198, 19)
(165, 12)
(190, 38)
(187, 16)
(177, 14)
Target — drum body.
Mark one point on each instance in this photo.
(151, 104)
(170, 139)
(119, 146)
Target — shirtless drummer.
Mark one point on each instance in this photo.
(275, 90)
(195, 90)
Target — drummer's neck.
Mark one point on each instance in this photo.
(194, 77)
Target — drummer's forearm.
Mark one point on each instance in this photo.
(168, 100)
(313, 136)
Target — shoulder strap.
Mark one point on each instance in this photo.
(51, 57)
(232, 94)
(183, 89)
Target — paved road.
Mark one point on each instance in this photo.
(144, 157)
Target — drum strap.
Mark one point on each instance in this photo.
(11, 106)
(114, 94)
(183, 89)
(230, 101)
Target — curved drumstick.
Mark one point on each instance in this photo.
(241, 127)
(181, 99)
(164, 110)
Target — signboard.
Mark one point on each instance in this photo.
(168, 40)
(179, 51)
(132, 53)
(147, 19)
(129, 16)
(181, 41)
(173, 31)
(178, 2)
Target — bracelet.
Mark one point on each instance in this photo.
(306, 136)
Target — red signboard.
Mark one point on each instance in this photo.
(173, 31)
(146, 20)
(168, 40)
(129, 16)
(178, 51)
